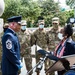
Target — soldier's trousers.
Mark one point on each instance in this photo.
(48, 64)
(28, 62)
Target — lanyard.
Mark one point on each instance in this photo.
(61, 47)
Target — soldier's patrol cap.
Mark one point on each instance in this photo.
(40, 19)
(6, 25)
(15, 19)
(23, 22)
(55, 20)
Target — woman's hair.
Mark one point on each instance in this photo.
(68, 30)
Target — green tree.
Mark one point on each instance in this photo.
(49, 10)
(27, 8)
(71, 3)
(30, 10)
(11, 8)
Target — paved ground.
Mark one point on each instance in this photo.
(24, 71)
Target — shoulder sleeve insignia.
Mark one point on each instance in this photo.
(8, 44)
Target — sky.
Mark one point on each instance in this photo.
(63, 3)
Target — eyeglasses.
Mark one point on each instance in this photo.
(41, 24)
(55, 23)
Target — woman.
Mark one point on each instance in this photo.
(66, 46)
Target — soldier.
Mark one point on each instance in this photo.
(5, 27)
(73, 36)
(52, 34)
(11, 62)
(39, 38)
(53, 39)
(24, 37)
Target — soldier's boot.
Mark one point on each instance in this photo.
(37, 70)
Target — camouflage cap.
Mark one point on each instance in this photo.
(40, 21)
(55, 20)
(23, 22)
(6, 25)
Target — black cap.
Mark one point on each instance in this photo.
(40, 18)
(15, 19)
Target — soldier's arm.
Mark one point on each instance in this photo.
(33, 39)
(47, 37)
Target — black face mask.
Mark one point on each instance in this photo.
(5, 29)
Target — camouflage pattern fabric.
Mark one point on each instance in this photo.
(73, 36)
(53, 41)
(24, 38)
(39, 38)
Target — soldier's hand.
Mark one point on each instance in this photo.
(22, 53)
(26, 45)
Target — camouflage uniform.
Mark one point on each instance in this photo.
(24, 38)
(73, 36)
(39, 38)
(53, 39)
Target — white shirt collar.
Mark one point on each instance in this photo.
(69, 40)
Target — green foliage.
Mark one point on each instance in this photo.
(49, 7)
(11, 8)
(31, 10)
(28, 9)
(71, 3)
(49, 10)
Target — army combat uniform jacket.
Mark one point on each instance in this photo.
(39, 38)
(53, 39)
